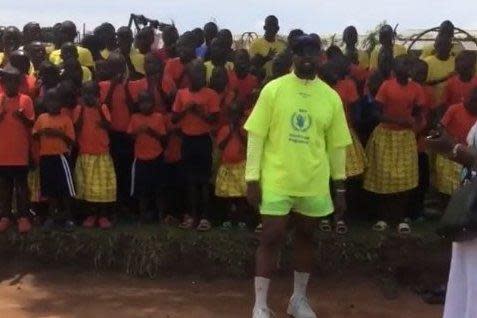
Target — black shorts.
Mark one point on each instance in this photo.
(174, 175)
(197, 158)
(56, 180)
(146, 177)
(14, 172)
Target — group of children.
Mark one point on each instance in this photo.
(112, 122)
(393, 104)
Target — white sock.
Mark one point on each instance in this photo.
(300, 284)
(261, 292)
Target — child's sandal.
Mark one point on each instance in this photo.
(380, 226)
(187, 224)
(204, 226)
(341, 227)
(404, 228)
(325, 226)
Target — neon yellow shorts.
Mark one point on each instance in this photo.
(280, 205)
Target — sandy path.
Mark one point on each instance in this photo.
(40, 293)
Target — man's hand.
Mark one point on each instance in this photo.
(254, 194)
(440, 142)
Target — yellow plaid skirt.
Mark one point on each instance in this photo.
(95, 178)
(447, 175)
(34, 185)
(392, 161)
(355, 157)
(231, 181)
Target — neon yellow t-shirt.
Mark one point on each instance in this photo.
(438, 70)
(209, 68)
(84, 57)
(398, 50)
(137, 59)
(262, 47)
(299, 120)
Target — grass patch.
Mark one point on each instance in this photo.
(151, 251)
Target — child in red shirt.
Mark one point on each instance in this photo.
(94, 170)
(242, 81)
(116, 95)
(154, 69)
(56, 134)
(230, 182)
(219, 82)
(16, 118)
(458, 87)
(169, 39)
(149, 130)
(457, 121)
(175, 75)
(392, 149)
(196, 110)
(419, 75)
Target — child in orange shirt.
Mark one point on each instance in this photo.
(355, 156)
(94, 170)
(196, 109)
(457, 122)
(458, 87)
(16, 119)
(175, 75)
(149, 131)
(392, 149)
(219, 82)
(230, 182)
(56, 134)
(116, 95)
(242, 81)
(174, 176)
(20, 60)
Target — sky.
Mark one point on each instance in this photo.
(321, 16)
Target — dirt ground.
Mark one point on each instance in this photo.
(36, 291)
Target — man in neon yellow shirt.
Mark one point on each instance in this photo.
(297, 140)
(263, 50)
(68, 33)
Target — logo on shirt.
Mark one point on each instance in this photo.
(301, 121)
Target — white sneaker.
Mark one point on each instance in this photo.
(262, 313)
(300, 308)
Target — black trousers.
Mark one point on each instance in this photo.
(122, 152)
